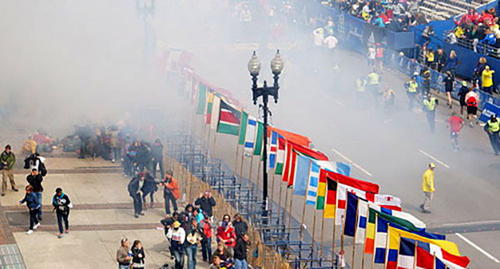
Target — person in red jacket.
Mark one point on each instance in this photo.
(225, 233)
(206, 243)
(170, 192)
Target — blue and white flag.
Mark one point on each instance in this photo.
(312, 187)
(250, 134)
(273, 149)
(301, 175)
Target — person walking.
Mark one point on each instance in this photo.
(123, 255)
(157, 153)
(206, 202)
(193, 237)
(35, 180)
(426, 81)
(411, 87)
(149, 189)
(134, 189)
(33, 206)
(240, 252)
(430, 110)
(240, 226)
(373, 84)
(487, 79)
(225, 233)
(492, 127)
(170, 192)
(138, 255)
(206, 243)
(62, 205)
(177, 236)
(428, 188)
(7, 160)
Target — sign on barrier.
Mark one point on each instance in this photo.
(488, 110)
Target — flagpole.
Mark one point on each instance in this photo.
(285, 207)
(333, 236)
(342, 233)
(272, 190)
(415, 259)
(434, 261)
(236, 158)
(386, 246)
(363, 251)
(251, 167)
(304, 206)
(354, 237)
(314, 232)
(290, 209)
(279, 202)
(258, 173)
(241, 165)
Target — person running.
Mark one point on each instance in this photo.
(461, 94)
(35, 180)
(138, 255)
(492, 127)
(170, 192)
(123, 255)
(428, 188)
(455, 123)
(430, 104)
(412, 88)
(33, 206)
(8, 159)
(472, 101)
(193, 237)
(177, 236)
(62, 205)
(448, 86)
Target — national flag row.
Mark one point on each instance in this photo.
(372, 219)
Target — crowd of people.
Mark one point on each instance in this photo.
(395, 15)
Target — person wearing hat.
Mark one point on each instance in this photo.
(7, 160)
(411, 90)
(177, 237)
(134, 189)
(492, 127)
(428, 188)
(430, 104)
(487, 79)
(35, 180)
(461, 94)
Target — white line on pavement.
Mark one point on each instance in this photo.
(472, 223)
(477, 247)
(434, 158)
(353, 163)
(332, 99)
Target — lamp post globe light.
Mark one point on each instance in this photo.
(265, 91)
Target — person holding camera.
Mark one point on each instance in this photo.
(170, 192)
(62, 204)
(206, 202)
(7, 161)
(138, 255)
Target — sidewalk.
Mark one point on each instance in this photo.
(101, 216)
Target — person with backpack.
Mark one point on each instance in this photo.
(35, 180)
(33, 206)
(36, 161)
(62, 205)
(7, 161)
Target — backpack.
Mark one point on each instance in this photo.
(43, 169)
(27, 163)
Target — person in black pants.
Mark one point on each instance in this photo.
(62, 204)
(206, 202)
(134, 189)
(138, 255)
(33, 206)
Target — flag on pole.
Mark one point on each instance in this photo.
(395, 234)
(331, 191)
(293, 149)
(301, 175)
(202, 97)
(399, 215)
(208, 112)
(406, 257)
(229, 118)
(312, 187)
(446, 258)
(362, 221)
(351, 215)
(214, 120)
(250, 134)
(259, 140)
(280, 155)
(320, 201)
(243, 127)
(343, 169)
(273, 149)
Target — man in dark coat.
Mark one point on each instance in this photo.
(134, 189)
(157, 154)
(149, 188)
(35, 180)
(206, 202)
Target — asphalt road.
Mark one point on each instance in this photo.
(390, 149)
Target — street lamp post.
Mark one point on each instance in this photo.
(265, 91)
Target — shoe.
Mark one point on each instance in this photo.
(14, 189)
(36, 226)
(151, 205)
(142, 214)
(3, 194)
(29, 232)
(136, 216)
(59, 235)
(66, 231)
(426, 211)
(113, 161)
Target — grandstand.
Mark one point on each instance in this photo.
(435, 10)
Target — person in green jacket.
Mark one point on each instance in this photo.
(8, 159)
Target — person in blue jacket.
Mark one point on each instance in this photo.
(34, 207)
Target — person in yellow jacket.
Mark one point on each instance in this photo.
(430, 104)
(487, 79)
(428, 188)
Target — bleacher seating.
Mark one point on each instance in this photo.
(444, 9)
